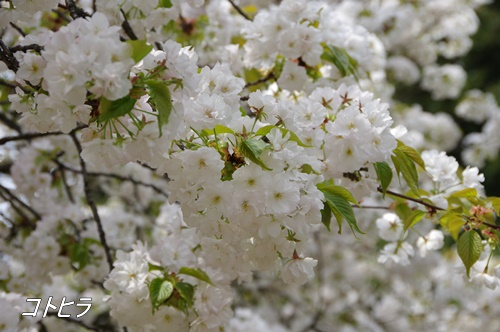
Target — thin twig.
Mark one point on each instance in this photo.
(24, 205)
(75, 321)
(18, 29)
(416, 200)
(61, 15)
(371, 207)
(127, 28)
(7, 57)
(431, 207)
(90, 202)
(19, 212)
(25, 48)
(10, 123)
(75, 11)
(7, 84)
(114, 176)
(239, 10)
(269, 76)
(30, 136)
(65, 184)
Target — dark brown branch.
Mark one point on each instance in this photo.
(239, 10)
(75, 11)
(10, 123)
(20, 202)
(432, 207)
(90, 202)
(127, 28)
(30, 136)
(114, 176)
(61, 15)
(7, 84)
(26, 48)
(371, 207)
(65, 184)
(269, 76)
(7, 57)
(74, 321)
(18, 29)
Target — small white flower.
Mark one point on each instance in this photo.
(398, 252)
(298, 271)
(389, 227)
(484, 279)
(433, 241)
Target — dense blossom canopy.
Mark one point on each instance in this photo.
(188, 165)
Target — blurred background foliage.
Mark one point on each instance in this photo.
(482, 65)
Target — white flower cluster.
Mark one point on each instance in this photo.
(200, 177)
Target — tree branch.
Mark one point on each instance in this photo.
(432, 207)
(90, 202)
(114, 176)
(239, 10)
(74, 321)
(75, 11)
(10, 123)
(30, 136)
(7, 57)
(269, 76)
(18, 29)
(127, 28)
(61, 15)
(25, 48)
(20, 202)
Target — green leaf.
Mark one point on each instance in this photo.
(413, 219)
(339, 201)
(112, 109)
(469, 247)
(164, 4)
(464, 193)
(252, 149)
(218, 129)
(326, 217)
(278, 66)
(495, 203)
(161, 100)
(405, 166)
(403, 210)
(411, 153)
(152, 267)
(453, 222)
(159, 291)
(183, 297)
(341, 59)
(196, 273)
(140, 48)
(293, 137)
(338, 190)
(384, 175)
(308, 169)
